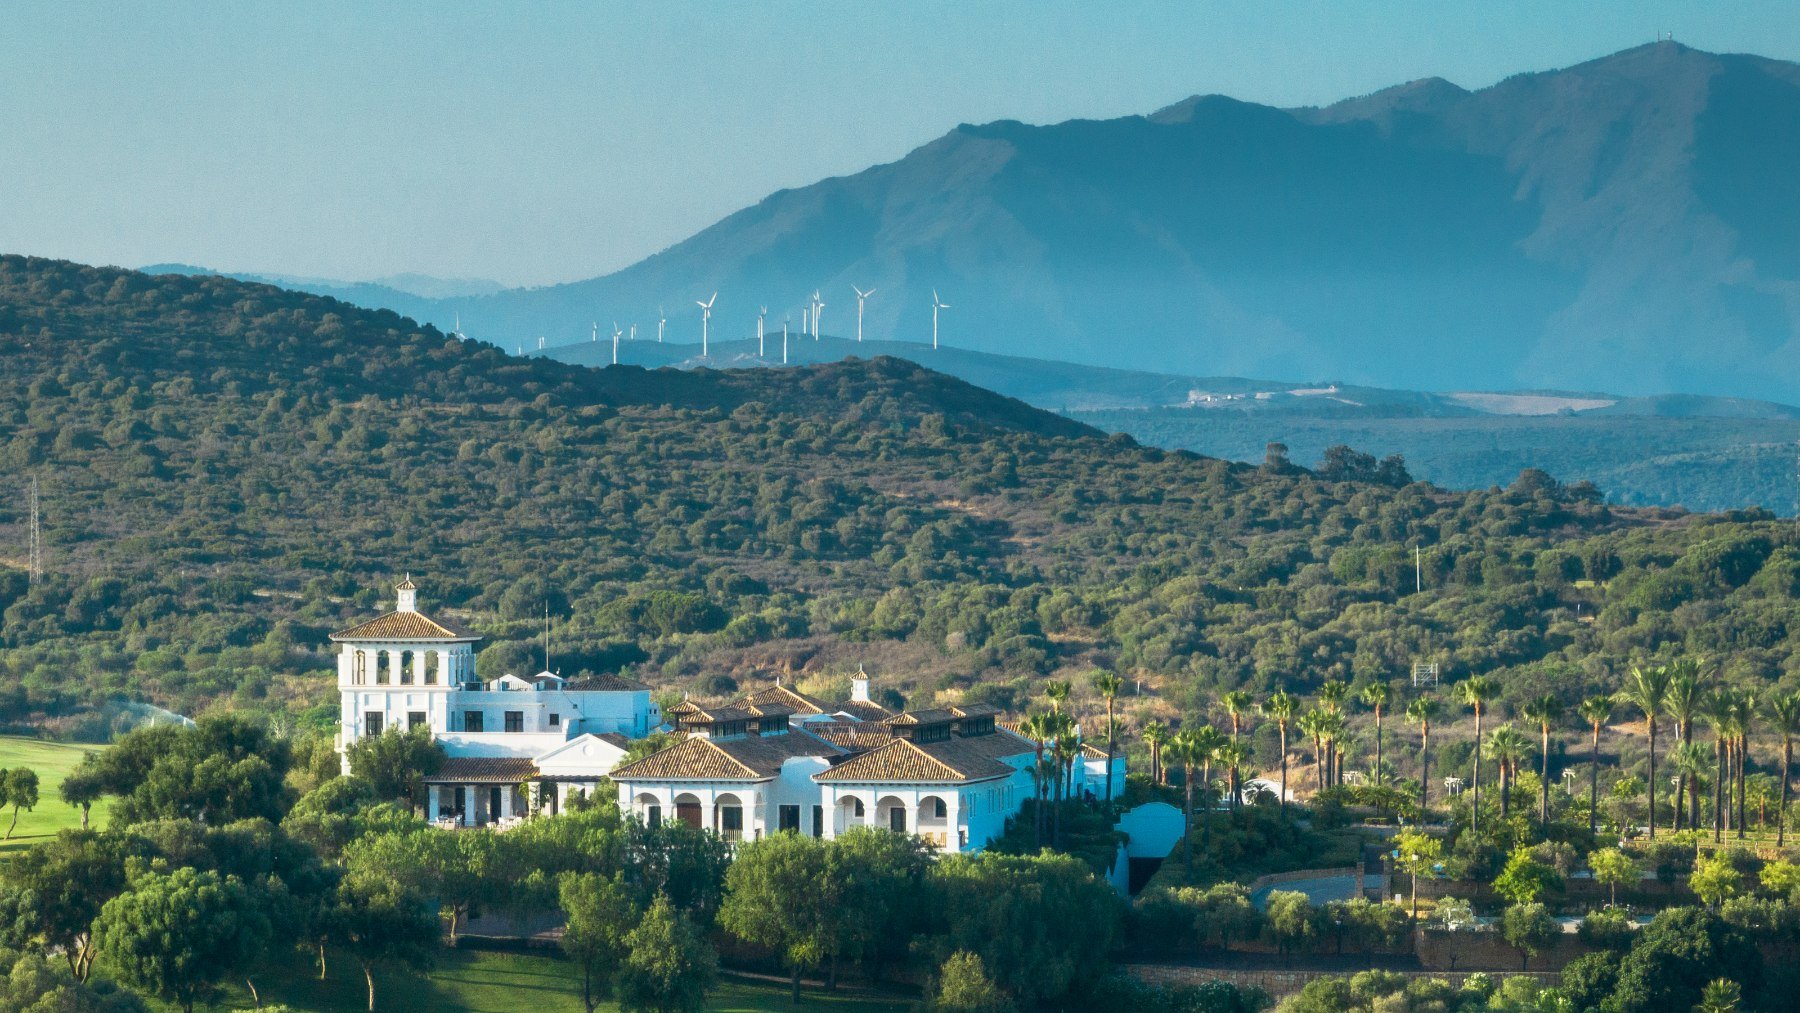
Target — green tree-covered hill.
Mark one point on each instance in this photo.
(229, 471)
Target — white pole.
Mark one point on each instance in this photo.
(784, 324)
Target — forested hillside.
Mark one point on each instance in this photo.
(229, 471)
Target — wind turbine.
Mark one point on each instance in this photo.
(632, 336)
(818, 305)
(761, 311)
(540, 342)
(456, 329)
(936, 304)
(660, 321)
(616, 333)
(705, 315)
(860, 296)
(596, 335)
(784, 323)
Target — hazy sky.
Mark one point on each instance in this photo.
(539, 142)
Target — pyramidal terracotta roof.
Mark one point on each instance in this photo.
(754, 758)
(852, 735)
(779, 694)
(406, 626)
(692, 759)
(862, 710)
(956, 760)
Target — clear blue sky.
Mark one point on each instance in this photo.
(540, 142)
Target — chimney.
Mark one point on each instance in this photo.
(406, 595)
(859, 686)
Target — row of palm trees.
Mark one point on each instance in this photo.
(1680, 691)
(1684, 694)
(1059, 743)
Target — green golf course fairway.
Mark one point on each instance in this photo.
(51, 760)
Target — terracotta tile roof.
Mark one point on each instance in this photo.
(1093, 752)
(975, 710)
(770, 710)
(484, 770)
(779, 694)
(926, 717)
(862, 710)
(857, 736)
(974, 758)
(717, 714)
(749, 759)
(406, 626)
(614, 738)
(605, 684)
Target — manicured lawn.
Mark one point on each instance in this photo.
(479, 982)
(51, 760)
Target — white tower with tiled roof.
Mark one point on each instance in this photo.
(401, 669)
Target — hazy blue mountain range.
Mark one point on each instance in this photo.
(1627, 224)
(416, 291)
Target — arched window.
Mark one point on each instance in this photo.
(433, 662)
(938, 809)
(407, 660)
(359, 666)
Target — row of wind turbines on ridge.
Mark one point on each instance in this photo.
(809, 322)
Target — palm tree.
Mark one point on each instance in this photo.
(1596, 711)
(1185, 750)
(1066, 748)
(1689, 760)
(1057, 691)
(1333, 729)
(1421, 712)
(1109, 686)
(1476, 692)
(1154, 735)
(1507, 745)
(1784, 714)
(1647, 689)
(1313, 724)
(1546, 710)
(1377, 695)
(1237, 704)
(1281, 706)
(1040, 729)
(1208, 741)
(1686, 694)
(1234, 755)
(1333, 694)
(1743, 717)
(1716, 709)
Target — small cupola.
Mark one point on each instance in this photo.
(406, 595)
(859, 686)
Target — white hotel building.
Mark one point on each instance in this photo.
(404, 669)
(775, 760)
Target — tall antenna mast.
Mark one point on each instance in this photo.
(546, 634)
(37, 546)
(1418, 572)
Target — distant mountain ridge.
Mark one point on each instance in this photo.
(403, 293)
(1616, 225)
